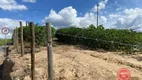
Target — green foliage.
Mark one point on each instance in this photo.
(95, 37)
(92, 27)
(40, 34)
(2, 41)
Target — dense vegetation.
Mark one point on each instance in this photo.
(2, 41)
(91, 37)
(40, 34)
(99, 37)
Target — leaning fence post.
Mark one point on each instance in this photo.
(49, 50)
(32, 51)
(22, 42)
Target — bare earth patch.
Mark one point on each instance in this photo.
(71, 63)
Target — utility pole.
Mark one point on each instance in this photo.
(97, 14)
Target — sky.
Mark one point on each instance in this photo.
(119, 14)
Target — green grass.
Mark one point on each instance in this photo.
(2, 41)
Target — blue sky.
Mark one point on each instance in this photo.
(119, 14)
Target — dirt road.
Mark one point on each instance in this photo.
(72, 63)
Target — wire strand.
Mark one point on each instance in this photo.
(97, 39)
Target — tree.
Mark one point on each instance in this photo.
(100, 27)
(92, 27)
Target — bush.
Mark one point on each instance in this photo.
(40, 34)
(108, 39)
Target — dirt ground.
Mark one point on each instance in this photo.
(73, 63)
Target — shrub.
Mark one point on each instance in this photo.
(108, 39)
(40, 34)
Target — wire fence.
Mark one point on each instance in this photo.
(132, 47)
(136, 47)
(96, 39)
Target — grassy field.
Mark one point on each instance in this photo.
(2, 41)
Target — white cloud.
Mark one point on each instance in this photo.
(89, 18)
(9, 23)
(11, 5)
(112, 16)
(126, 19)
(129, 18)
(65, 17)
(103, 19)
(102, 5)
(30, 1)
(68, 17)
(8, 36)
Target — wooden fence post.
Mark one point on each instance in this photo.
(17, 40)
(49, 51)
(32, 51)
(22, 42)
(14, 37)
(7, 51)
